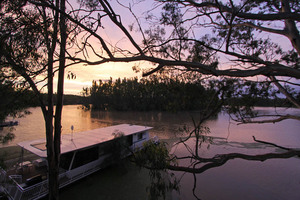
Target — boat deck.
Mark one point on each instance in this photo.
(29, 173)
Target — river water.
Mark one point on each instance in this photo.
(237, 179)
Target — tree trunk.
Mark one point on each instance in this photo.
(52, 143)
(49, 131)
(59, 106)
(290, 27)
(52, 169)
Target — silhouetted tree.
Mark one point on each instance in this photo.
(224, 40)
(30, 35)
(151, 93)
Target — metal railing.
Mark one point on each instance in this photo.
(64, 179)
(2, 175)
(17, 192)
(13, 187)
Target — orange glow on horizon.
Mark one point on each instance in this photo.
(86, 74)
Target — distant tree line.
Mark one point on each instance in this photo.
(177, 93)
(151, 93)
(14, 100)
(253, 93)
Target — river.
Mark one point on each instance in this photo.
(237, 179)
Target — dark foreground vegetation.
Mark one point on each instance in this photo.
(215, 39)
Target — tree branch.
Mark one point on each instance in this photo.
(263, 17)
(269, 143)
(46, 4)
(160, 66)
(268, 70)
(285, 92)
(280, 118)
(270, 30)
(113, 17)
(220, 160)
(20, 70)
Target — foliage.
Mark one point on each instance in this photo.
(30, 34)
(156, 158)
(153, 155)
(240, 96)
(152, 93)
(234, 31)
(13, 101)
(240, 43)
(119, 147)
(156, 92)
(17, 45)
(6, 137)
(214, 39)
(21, 38)
(237, 47)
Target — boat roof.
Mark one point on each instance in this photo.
(71, 142)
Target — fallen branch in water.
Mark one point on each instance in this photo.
(221, 159)
(269, 143)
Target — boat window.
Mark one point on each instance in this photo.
(129, 140)
(85, 156)
(140, 136)
(65, 160)
(103, 148)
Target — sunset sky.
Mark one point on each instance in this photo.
(86, 74)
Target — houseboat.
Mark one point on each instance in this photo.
(81, 154)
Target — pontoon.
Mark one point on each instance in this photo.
(81, 154)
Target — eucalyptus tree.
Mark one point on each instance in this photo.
(243, 34)
(231, 39)
(232, 42)
(14, 101)
(33, 43)
(213, 38)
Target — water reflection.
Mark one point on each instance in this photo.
(166, 125)
(237, 179)
(110, 183)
